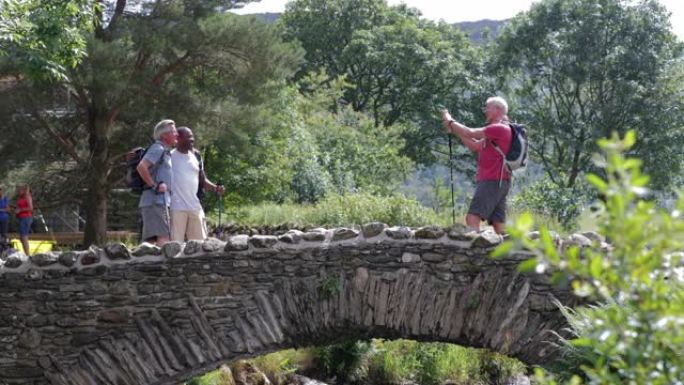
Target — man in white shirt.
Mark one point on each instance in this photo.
(187, 215)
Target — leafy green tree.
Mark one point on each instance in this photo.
(634, 334)
(179, 59)
(306, 151)
(398, 65)
(582, 68)
(45, 38)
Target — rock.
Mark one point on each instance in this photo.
(594, 236)
(460, 232)
(117, 316)
(30, 339)
(410, 258)
(373, 229)
(429, 232)
(315, 235)
(292, 237)
(212, 244)
(68, 258)
(576, 240)
(237, 243)
(44, 259)
(90, 256)
(171, 249)
(245, 373)
(534, 235)
(398, 232)
(344, 234)
(146, 248)
(487, 238)
(117, 251)
(263, 241)
(192, 246)
(434, 257)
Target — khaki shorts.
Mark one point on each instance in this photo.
(155, 222)
(489, 201)
(187, 225)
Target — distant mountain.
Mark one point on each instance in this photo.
(270, 17)
(473, 29)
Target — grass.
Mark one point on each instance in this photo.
(355, 210)
(389, 363)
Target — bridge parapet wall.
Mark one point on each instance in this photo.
(162, 315)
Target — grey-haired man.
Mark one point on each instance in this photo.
(155, 170)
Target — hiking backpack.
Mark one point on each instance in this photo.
(133, 179)
(135, 182)
(516, 157)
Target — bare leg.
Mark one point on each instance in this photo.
(473, 222)
(498, 227)
(25, 243)
(162, 240)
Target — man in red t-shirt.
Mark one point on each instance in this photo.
(493, 181)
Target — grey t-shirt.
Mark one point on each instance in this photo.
(161, 172)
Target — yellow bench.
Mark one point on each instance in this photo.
(35, 246)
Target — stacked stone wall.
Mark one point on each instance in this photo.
(162, 315)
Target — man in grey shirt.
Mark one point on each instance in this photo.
(155, 170)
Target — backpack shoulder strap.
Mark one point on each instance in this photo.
(198, 155)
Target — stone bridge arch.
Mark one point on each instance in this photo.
(162, 316)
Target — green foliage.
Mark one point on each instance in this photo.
(341, 210)
(342, 360)
(184, 60)
(580, 68)
(397, 64)
(305, 151)
(45, 38)
(635, 334)
(546, 199)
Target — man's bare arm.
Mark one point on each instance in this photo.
(144, 171)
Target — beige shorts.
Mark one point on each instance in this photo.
(187, 225)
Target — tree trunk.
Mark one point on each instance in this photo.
(98, 186)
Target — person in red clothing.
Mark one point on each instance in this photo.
(493, 180)
(24, 212)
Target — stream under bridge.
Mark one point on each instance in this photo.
(154, 315)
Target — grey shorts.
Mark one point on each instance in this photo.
(489, 201)
(156, 222)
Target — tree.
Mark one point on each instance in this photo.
(583, 68)
(306, 151)
(398, 65)
(46, 38)
(179, 59)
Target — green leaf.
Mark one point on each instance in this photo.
(599, 183)
(528, 266)
(503, 249)
(525, 222)
(596, 266)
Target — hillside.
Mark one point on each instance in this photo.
(473, 29)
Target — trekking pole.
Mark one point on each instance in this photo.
(451, 180)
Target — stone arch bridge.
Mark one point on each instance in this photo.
(161, 316)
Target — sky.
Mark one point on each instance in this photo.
(469, 10)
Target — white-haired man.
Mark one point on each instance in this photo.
(493, 180)
(155, 170)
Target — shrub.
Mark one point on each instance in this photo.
(635, 335)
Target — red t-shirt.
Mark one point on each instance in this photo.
(490, 162)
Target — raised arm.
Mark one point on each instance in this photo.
(473, 138)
